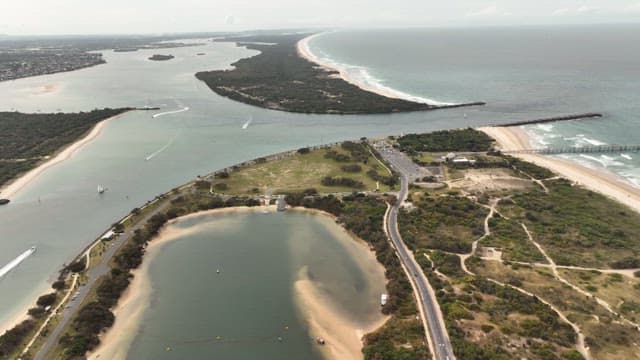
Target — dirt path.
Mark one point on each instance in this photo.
(580, 341)
(556, 274)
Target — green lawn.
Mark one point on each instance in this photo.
(299, 172)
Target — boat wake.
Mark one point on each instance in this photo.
(157, 152)
(186, 108)
(15, 262)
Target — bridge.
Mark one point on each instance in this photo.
(577, 150)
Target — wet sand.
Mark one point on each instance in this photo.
(515, 138)
(18, 184)
(342, 335)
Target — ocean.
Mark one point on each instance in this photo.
(521, 73)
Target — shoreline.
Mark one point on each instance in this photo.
(304, 51)
(117, 341)
(608, 184)
(16, 185)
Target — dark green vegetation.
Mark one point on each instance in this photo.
(28, 138)
(510, 237)
(579, 227)
(279, 79)
(159, 57)
(13, 340)
(402, 337)
(503, 322)
(96, 316)
(448, 223)
(446, 140)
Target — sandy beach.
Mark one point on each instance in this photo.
(18, 184)
(514, 138)
(342, 336)
(305, 52)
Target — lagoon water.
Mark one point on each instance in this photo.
(521, 73)
(252, 302)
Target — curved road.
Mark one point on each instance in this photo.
(436, 327)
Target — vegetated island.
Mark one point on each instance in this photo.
(525, 263)
(31, 140)
(280, 79)
(160, 57)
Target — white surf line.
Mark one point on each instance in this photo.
(165, 147)
(15, 262)
(628, 157)
(186, 108)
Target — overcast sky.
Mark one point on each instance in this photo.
(23, 17)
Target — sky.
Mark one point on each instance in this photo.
(43, 17)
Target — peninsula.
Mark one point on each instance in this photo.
(519, 261)
(280, 78)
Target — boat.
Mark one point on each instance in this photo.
(101, 190)
(218, 271)
(4, 201)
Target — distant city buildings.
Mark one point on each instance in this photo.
(16, 64)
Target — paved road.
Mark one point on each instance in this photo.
(92, 275)
(436, 327)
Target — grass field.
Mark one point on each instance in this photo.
(300, 172)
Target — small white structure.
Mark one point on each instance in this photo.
(383, 299)
(463, 160)
(108, 235)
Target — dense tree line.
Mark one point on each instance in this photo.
(446, 140)
(343, 182)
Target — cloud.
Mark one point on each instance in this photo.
(491, 10)
(582, 10)
(560, 12)
(633, 8)
(587, 9)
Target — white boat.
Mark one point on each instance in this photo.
(101, 190)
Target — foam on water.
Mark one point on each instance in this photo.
(362, 77)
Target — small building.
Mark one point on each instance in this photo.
(463, 160)
(383, 299)
(108, 235)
